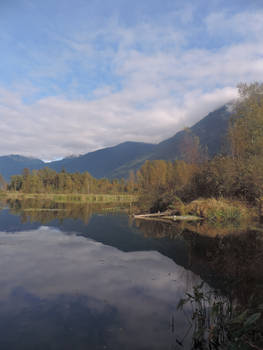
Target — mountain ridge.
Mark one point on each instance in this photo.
(119, 160)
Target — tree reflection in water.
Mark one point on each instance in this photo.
(45, 211)
(232, 260)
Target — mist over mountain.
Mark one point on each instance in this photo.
(119, 160)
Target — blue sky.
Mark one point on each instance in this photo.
(76, 76)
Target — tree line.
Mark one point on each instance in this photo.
(49, 181)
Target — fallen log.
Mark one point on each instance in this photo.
(159, 214)
(164, 216)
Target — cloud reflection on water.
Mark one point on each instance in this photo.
(143, 287)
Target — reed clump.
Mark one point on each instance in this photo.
(219, 210)
(219, 323)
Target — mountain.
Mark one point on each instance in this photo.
(103, 162)
(14, 164)
(117, 161)
(211, 130)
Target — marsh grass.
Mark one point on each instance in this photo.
(73, 198)
(220, 210)
(219, 324)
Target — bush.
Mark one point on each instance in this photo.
(160, 200)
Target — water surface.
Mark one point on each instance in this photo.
(81, 277)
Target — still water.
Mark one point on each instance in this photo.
(81, 277)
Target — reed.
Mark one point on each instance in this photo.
(220, 210)
(74, 197)
(219, 324)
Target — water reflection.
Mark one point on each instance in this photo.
(29, 322)
(123, 278)
(45, 211)
(228, 257)
(231, 260)
(55, 286)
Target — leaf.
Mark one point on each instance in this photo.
(252, 319)
(240, 318)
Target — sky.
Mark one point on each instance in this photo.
(80, 75)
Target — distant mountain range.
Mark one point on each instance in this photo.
(117, 161)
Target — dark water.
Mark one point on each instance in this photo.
(81, 277)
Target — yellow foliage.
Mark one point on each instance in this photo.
(221, 210)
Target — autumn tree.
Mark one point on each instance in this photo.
(3, 183)
(246, 141)
(191, 150)
(246, 129)
(130, 186)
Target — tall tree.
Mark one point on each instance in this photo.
(246, 141)
(3, 184)
(246, 129)
(190, 148)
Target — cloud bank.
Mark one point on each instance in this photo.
(95, 86)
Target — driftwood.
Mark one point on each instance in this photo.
(159, 214)
(167, 216)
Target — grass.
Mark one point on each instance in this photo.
(220, 210)
(73, 197)
(216, 212)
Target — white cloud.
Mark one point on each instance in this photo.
(245, 25)
(55, 127)
(163, 86)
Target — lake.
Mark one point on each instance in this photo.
(88, 277)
